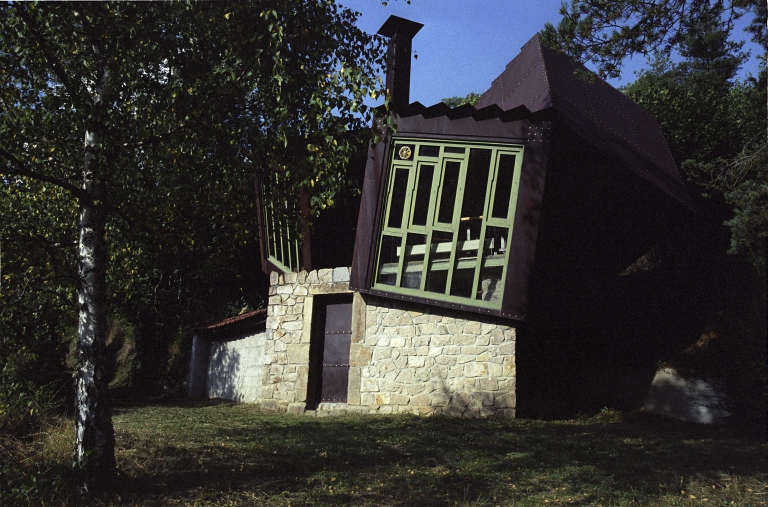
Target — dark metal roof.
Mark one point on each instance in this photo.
(467, 110)
(395, 25)
(540, 78)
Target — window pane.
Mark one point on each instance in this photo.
(492, 268)
(388, 260)
(415, 247)
(448, 197)
(439, 261)
(503, 186)
(464, 267)
(454, 149)
(427, 150)
(476, 182)
(423, 193)
(397, 203)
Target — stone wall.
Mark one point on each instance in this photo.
(694, 400)
(230, 369)
(427, 360)
(403, 358)
(289, 318)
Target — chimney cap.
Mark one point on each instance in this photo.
(396, 25)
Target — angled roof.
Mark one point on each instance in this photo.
(255, 318)
(540, 78)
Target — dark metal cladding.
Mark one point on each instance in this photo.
(337, 340)
(486, 113)
(411, 109)
(540, 77)
(461, 111)
(527, 216)
(436, 110)
(368, 217)
(338, 318)
(400, 32)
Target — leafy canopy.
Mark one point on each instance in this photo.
(200, 98)
(605, 32)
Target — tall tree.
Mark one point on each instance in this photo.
(134, 109)
(694, 100)
(605, 32)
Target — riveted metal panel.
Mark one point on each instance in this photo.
(336, 343)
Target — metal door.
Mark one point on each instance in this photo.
(338, 336)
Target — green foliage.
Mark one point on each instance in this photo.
(456, 101)
(203, 98)
(743, 183)
(605, 32)
(35, 470)
(703, 114)
(714, 125)
(185, 103)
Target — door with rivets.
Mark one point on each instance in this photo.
(336, 342)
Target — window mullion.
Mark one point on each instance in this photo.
(488, 206)
(434, 201)
(456, 223)
(412, 175)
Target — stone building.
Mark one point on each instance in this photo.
(480, 233)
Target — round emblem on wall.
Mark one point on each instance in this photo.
(405, 153)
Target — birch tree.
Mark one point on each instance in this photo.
(129, 108)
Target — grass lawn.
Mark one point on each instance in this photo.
(221, 453)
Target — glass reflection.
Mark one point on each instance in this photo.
(389, 256)
(413, 265)
(492, 263)
(439, 261)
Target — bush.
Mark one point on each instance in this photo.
(36, 469)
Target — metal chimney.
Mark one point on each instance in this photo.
(400, 32)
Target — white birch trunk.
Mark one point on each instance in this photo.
(94, 435)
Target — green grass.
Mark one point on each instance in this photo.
(220, 453)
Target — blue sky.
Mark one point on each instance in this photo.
(465, 44)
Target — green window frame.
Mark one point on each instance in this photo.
(448, 214)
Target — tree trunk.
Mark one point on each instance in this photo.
(94, 435)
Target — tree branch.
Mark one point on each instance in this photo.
(155, 138)
(52, 62)
(19, 169)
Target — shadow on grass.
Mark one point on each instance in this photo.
(168, 451)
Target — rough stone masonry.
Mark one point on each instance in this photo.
(403, 357)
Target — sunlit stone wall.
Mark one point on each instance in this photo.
(428, 361)
(403, 357)
(289, 325)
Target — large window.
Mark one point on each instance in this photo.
(448, 220)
